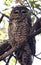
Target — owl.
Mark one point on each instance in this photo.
(19, 27)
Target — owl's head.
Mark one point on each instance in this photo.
(19, 12)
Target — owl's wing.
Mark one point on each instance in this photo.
(32, 44)
(31, 41)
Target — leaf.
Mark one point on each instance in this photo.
(8, 2)
(1, 32)
(38, 2)
(12, 61)
(33, 18)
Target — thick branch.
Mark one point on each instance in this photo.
(36, 29)
(7, 53)
(5, 47)
(32, 34)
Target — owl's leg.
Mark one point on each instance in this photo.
(26, 59)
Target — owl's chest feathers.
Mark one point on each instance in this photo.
(22, 31)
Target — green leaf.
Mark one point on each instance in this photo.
(12, 61)
(8, 2)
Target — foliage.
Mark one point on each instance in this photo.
(12, 61)
(8, 1)
(36, 4)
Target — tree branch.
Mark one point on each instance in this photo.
(32, 34)
(7, 53)
(3, 16)
(4, 47)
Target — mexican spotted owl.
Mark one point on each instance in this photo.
(19, 28)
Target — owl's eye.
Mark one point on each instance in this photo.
(10, 23)
(23, 11)
(16, 12)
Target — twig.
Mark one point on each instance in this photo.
(1, 17)
(37, 57)
(4, 15)
(38, 54)
(9, 59)
(31, 9)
